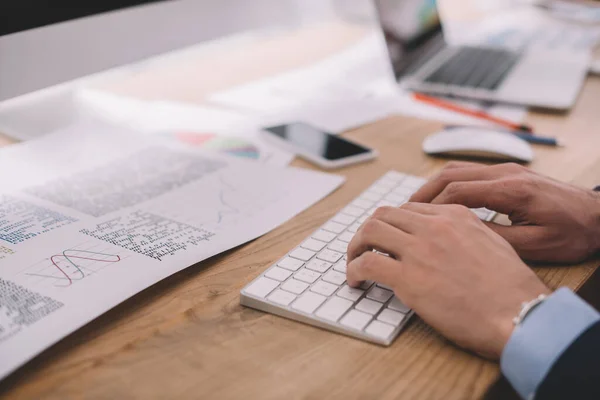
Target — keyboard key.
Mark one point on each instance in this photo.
(290, 263)
(314, 245)
(344, 219)
(379, 294)
(294, 286)
(396, 199)
(354, 228)
(371, 196)
(370, 211)
(346, 237)
(413, 182)
(323, 236)
(334, 227)
(365, 285)
(282, 297)
(334, 309)
(261, 287)
(385, 183)
(307, 275)
(335, 277)
(308, 302)
(394, 176)
(404, 191)
(397, 305)
(385, 203)
(318, 265)
(339, 246)
(279, 274)
(350, 293)
(324, 288)
(362, 219)
(302, 254)
(362, 203)
(391, 317)
(340, 266)
(329, 256)
(483, 213)
(369, 306)
(356, 319)
(379, 329)
(379, 189)
(381, 285)
(354, 211)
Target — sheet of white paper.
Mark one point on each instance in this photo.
(90, 216)
(407, 105)
(523, 27)
(570, 11)
(349, 74)
(349, 89)
(210, 128)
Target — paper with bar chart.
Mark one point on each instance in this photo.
(90, 215)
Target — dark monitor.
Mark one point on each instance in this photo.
(21, 15)
(412, 30)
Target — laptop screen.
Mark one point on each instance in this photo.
(410, 27)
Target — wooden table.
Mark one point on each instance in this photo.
(188, 336)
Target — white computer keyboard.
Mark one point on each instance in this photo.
(309, 283)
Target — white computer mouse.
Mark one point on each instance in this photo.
(478, 143)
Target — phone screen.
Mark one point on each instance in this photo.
(319, 143)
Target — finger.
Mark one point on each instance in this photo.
(460, 174)
(494, 195)
(422, 208)
(462, 164)
(376, 235)
(529, 241)
(400, 218)
(375, 267)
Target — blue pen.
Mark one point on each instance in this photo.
(545, 140)
(528, 137)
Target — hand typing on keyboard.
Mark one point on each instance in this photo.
(551, 220)
(308, 283)
(457, 274)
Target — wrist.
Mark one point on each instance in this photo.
(543, 336)
(520, 308)
(596, 219)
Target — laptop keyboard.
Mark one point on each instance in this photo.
(477, 68)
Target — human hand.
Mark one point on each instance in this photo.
(458, 275)
(551, 220)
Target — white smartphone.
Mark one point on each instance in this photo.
(319, 147)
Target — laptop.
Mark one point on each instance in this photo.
(422, 61)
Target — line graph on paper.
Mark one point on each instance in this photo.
(69, 266)
(229, 199)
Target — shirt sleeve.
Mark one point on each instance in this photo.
(545, 333)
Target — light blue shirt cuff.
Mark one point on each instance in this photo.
(545, 333)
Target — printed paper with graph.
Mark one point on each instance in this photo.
(93, 216)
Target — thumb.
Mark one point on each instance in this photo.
(527, 240)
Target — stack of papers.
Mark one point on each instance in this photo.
(209, 128)
(525, 26)
(91, 215)
(349, 89)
